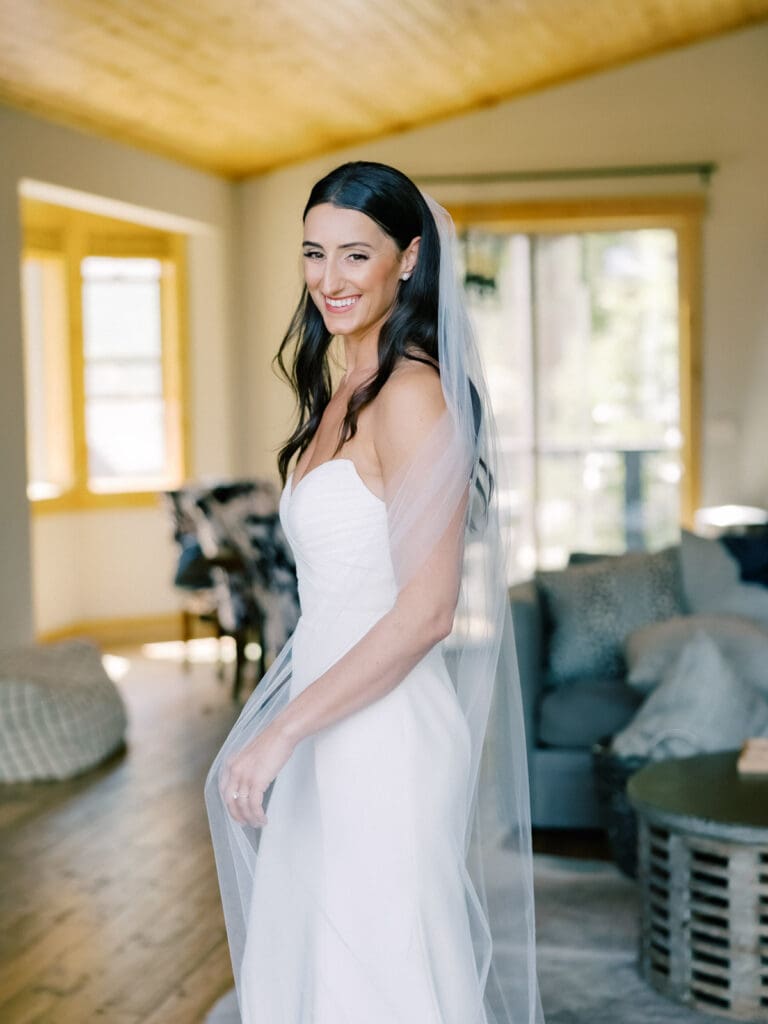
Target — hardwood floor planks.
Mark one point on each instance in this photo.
(195, 993)
(109, 900)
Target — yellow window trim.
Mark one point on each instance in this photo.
(682, 214)
(73, 235)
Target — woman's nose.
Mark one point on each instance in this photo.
(332, 279)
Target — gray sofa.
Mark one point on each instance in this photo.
(574, 694)
(576, 628)
(561, 724)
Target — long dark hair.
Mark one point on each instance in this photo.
(392, 200)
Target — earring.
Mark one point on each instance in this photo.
(405, 276)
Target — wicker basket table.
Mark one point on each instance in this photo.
(703, 859)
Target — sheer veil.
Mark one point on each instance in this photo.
(454, 473)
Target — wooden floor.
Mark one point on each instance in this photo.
(109, 904)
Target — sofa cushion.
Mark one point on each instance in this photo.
(652, 650)
(751, 552)
(592, 608)
(700, 705)
(588, 557)
(712, 581)
(586, 711)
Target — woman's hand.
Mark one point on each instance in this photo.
(247, 775)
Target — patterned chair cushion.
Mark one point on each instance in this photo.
(243, 516)
(60, 713)
(592, 609)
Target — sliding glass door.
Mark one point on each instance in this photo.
(580, 334)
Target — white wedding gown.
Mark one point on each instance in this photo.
(361, 910)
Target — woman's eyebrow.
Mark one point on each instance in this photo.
(346, 245)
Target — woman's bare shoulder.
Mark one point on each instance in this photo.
(409, 404)
(411, 383)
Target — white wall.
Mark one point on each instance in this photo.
(706, 102)
(70, 567)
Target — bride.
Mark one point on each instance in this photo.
(348, 802)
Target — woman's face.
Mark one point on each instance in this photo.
(352, 268)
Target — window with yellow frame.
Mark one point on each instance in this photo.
(586, 312)
(105, 366)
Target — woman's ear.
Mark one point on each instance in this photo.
(409, 258)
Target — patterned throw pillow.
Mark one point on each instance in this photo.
(593, 608)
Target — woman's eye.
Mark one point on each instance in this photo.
(312, 254)
(357, 257)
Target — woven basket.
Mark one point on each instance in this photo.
(619, 818)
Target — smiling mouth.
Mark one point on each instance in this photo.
(340, 305)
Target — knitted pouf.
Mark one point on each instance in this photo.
(60, 713)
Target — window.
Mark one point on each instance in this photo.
(103, 359)
(585, 325)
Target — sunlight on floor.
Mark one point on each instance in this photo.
(115, 666)
(205, 650)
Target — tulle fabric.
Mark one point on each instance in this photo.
(453, 478)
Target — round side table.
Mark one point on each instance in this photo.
(703, 870)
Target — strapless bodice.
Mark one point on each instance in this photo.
(337, 529)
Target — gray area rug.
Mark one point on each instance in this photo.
(586, 914)
(587, 921)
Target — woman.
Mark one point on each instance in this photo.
(343, 804)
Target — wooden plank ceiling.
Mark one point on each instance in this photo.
(240, 86)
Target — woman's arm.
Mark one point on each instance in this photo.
(405, 411)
